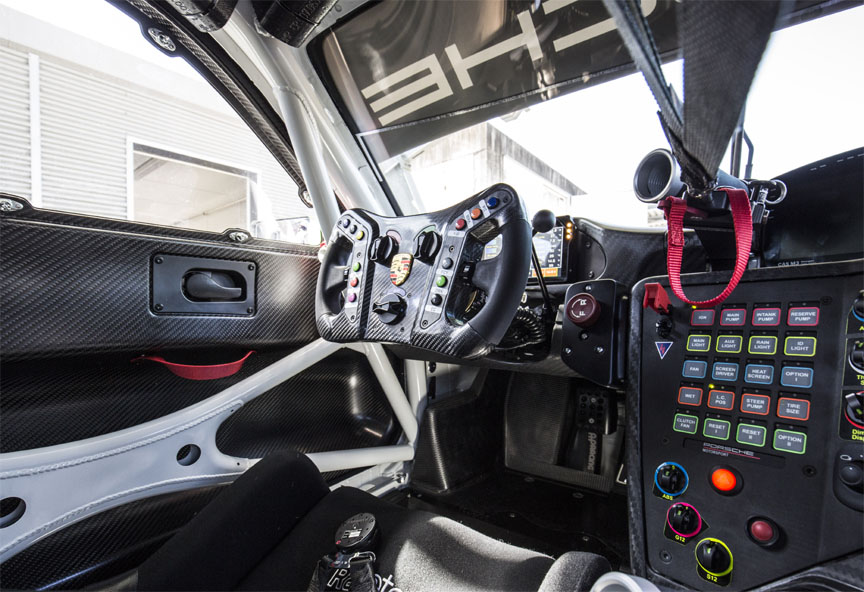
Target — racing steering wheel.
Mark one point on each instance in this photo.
(428, 281)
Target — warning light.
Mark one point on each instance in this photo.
(710, 386)
(724, 480)
(569, 225)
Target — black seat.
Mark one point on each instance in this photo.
(268, 530)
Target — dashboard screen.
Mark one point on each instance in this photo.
(550, 252)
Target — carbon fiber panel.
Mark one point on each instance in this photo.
(460, 438)
(336, 404)
(634, 254)
(73, 284)
(56, 401)
(105, 545)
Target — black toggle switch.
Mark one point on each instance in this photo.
(466, 271)
(427, 245)
(390, 308)
(383, 248)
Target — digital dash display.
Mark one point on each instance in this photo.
(550, 252)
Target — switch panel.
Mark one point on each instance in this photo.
(752, 414)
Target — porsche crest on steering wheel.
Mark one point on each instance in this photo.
(400, 268)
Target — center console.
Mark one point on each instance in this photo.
(750, 426)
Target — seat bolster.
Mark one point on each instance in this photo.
(574, 572)
(242, 525)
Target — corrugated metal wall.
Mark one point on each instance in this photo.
(87, 121)
(14, 122)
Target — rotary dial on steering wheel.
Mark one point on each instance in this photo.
(422, 280)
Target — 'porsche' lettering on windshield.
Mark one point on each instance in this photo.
(393, 91)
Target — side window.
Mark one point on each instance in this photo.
(97, 121)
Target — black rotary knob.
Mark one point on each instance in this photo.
(684, 519)
(390, 308)
(852, 475)
(671, 479)
(427, 245)
(714, 557)
(855, 407)
(383, 248)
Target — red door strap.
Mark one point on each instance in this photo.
(743, 224)
(193, 372)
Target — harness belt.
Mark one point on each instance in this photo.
(675, 208)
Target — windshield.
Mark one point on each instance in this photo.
(456, 121)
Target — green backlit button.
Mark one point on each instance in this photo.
(789, 441)
(752, 435)
(686, 424)
(716, 428)
(441, 281)
(356, 266)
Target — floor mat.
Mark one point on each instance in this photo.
(540, 515)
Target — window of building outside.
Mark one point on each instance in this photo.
(99, 122)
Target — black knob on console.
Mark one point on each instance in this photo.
(714, 557)
(383, 248)
(427, 246)
(855, 407)
(390, 308)
(852, 475)
(858, 306)
(684, 519)
(671, 479)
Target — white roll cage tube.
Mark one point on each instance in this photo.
(65, 483)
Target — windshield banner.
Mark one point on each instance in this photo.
(409, 72)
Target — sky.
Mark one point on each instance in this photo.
(805, 104)
(100, 21)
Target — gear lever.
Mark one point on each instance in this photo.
(543, 221)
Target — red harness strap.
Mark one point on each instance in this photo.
(743, 224)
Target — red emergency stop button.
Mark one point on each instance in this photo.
(726, 480)
(460, 223)
(763, 531)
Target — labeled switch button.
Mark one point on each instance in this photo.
(699, 343)
(686, 424)
(800, 346)
(789, 441)
(793, 408)
(716, 428)
(751, 435)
